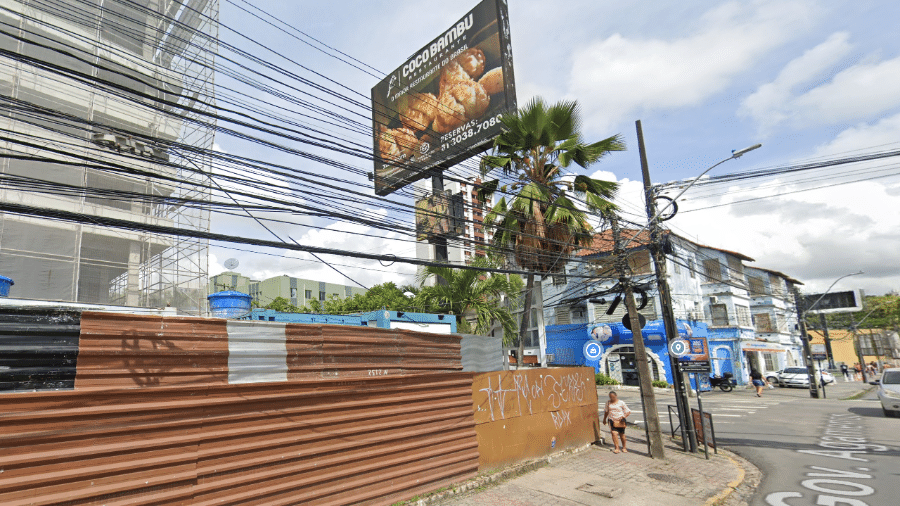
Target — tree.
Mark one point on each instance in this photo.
(469, 292)
(282, 305)
(384, 296)
(541, 223)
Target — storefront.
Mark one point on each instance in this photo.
(766, 357)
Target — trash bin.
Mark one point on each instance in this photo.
(5, 283)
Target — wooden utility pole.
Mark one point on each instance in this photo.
(648, 398)
(688, 436)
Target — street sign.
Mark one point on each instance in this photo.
(592, 350)
(679, 347)
(834, 302)
(818, 352)
(697, 358)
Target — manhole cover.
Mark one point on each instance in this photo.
(670, 478)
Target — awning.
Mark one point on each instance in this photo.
(762, 346)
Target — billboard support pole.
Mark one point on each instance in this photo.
(807, 353)
(824, 323)
(440, 243)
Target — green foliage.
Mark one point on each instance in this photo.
(885, 314)
(283, 305)
(542, 222)
(384, 296)
(602, 379)
(660, 384)
(470, 293)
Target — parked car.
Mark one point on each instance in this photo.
(889, 393)
(796, 377)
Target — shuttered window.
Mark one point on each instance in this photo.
(763, 322)
(719, 314)
(562, 316)
(712, 270)
(757, 286)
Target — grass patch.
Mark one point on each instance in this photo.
(858, 395)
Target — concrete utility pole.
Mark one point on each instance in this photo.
(857, 347)
(824, 323)
(648, 398)
(665, 300)
(814, 385)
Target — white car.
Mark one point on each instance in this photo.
(796, 377)
(889, 393)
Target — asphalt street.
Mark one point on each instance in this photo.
(833, 451)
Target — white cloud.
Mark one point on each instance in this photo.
(768, 104)
(859, 92)
(620, 76)
(817, 235)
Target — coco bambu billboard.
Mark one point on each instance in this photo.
(443, 105)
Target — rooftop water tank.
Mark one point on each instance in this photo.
(229, 304)
(5, 283)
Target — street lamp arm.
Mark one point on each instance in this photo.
(829, 289)
(734, 155)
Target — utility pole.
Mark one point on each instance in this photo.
(648, 398)
(804, 338)
(857, 346)
(828, 352)
(688, 435)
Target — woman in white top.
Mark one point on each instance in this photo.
(616, 412)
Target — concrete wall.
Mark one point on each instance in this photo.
(526, 414)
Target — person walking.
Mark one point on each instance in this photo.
(616, 412)
(858, 369)
(758, 381)
(846, 372)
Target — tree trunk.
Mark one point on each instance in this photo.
(526, 319)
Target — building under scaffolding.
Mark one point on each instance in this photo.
(104, 111)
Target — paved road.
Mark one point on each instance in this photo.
(810, 451)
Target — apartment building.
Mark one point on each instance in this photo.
(297, 290)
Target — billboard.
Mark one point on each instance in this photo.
(440, 215)
(443, 105)
(850, 301)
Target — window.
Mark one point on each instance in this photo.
(743, 316)
(757, 287)
(763, 322)
(335, 296)
(677, 267)
(719, 315)
(293, 293)
(559, 279)
(770, 363)
(712, 270)
(321, 295)
(308, 294)
(691, 269)
(562, 315)
(736, 268)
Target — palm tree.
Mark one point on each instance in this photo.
(541, 224)
(468, 292)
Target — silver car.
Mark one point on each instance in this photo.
(889, 393)
(796, 377)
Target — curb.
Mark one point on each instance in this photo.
(494, 477)
(730, 487)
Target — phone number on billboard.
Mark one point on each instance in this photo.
(474, 130)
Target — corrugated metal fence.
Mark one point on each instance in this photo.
(158, 416)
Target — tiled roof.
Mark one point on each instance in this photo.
(603, 242)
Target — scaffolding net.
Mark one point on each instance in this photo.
(105, 111)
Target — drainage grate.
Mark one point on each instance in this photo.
(670, 478)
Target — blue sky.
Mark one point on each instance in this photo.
(807, 79)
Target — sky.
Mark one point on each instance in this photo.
(809, 80)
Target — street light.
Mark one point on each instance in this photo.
(734, 156)
(823, 322)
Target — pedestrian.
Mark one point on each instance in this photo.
(874, 367)
(616, 412)
(858, 369)
(846, 372)
(758, 381)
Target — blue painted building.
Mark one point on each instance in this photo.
(565, 343)
(422, 322)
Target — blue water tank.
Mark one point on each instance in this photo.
(229, 304)
(5, 283)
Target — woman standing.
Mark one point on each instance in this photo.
(616, 412)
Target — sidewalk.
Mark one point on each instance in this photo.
(597, 476)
